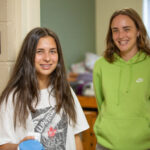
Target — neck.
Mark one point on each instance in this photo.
(43, 83)
(128, 55)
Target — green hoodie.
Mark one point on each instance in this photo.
(122, 91)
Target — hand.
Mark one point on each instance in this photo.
(11, 146)
(27, 138)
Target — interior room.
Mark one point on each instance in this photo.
(81, 26)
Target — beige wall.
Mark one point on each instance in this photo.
(104, 9)
(17, 17)
(30, 10)
(10, 35)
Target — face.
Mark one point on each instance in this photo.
(46, 57)
(124, 34)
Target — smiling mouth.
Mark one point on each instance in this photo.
(123, 43)
(46, 66)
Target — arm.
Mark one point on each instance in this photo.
(78, 141)
(81, 123)
(8, 146)
(8, 140)
(97, 82)
(11, 146)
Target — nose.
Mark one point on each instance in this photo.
(121, 34)
(47, 56)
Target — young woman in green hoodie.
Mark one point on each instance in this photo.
(122, 85)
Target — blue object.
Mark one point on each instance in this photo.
(31, 145)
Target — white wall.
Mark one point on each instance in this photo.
(104, 10)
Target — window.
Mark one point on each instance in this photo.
(146, 15)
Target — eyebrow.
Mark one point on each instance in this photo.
(49, 49)
(40, 48)
(54, 48)
(115, 28)
(127, 27)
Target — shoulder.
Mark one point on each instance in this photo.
(144, 58)
(8, 101)
(81, 123)
(148, 57)
(74, 96)
(100, 64)
(100, 61)
(7, 106)
(76, 100)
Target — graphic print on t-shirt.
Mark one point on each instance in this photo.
(53, 128)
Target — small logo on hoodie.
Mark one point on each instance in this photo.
(139, 80)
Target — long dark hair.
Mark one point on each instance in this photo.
(24, 84)
(142, 39)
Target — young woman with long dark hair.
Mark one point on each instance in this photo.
(38, 97)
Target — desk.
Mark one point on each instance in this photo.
(90, 110)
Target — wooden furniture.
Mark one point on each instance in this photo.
(90, 109)
(87, 101)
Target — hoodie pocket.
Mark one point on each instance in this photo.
(124, 132)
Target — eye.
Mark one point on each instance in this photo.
(53, 51)
(114, 30)
(39, 51)
(127, 29)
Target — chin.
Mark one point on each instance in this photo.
(123, 49)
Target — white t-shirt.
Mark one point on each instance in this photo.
(55, 129)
